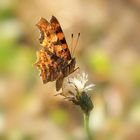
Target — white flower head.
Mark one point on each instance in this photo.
(79, 83)
(75, 90)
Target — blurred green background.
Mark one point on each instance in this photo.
(108, 50)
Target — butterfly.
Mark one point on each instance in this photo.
(54, 60)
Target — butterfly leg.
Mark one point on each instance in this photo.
(59, 82)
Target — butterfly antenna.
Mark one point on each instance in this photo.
(71, 42)
(76, 44)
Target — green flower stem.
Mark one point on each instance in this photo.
(86, 124)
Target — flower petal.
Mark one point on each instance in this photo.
(89, 87)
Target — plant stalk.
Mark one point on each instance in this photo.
(86, 124)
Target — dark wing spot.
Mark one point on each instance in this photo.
(66, 49)
(63, 41)
(58, 30)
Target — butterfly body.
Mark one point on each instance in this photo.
(65, 71)
(54, 60)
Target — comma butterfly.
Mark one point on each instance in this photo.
(54, 60)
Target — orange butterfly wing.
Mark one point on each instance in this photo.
(53, 39)
(54, 59)
(48, 65)
(61, 47)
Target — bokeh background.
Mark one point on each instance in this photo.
(108, 50)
